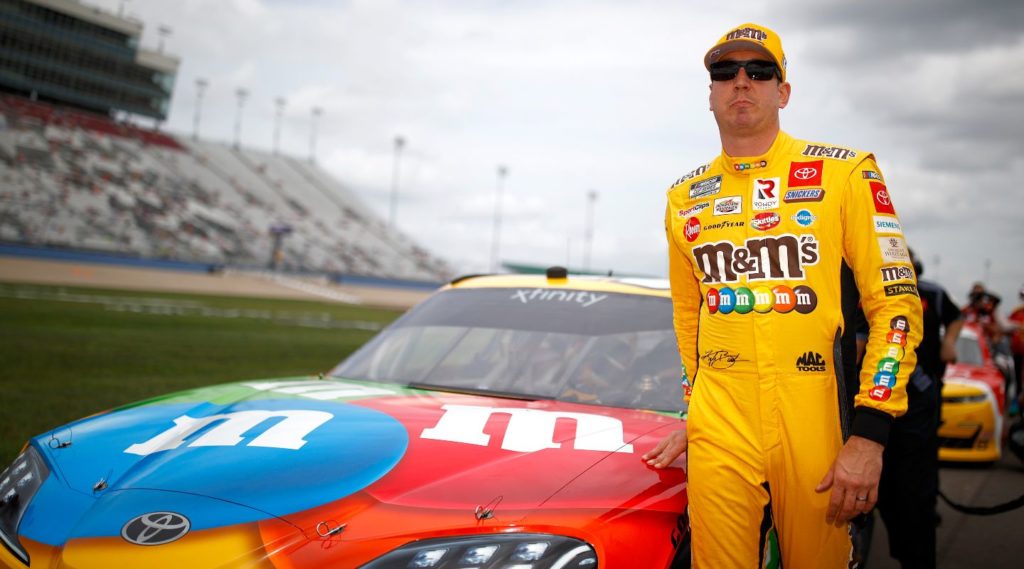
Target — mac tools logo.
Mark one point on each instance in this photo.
(811, 361)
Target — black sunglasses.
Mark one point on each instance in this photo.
(757, 69)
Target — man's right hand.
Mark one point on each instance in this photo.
(667, 450)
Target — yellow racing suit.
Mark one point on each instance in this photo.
(756, 245)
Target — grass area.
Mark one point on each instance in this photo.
(69, 352)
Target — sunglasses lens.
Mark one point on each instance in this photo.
(724, 70)
(758, 70)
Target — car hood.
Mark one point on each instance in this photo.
(274, 449)
(966, 379)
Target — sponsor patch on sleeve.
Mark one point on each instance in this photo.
(883, 203)
(880, 393)
(871, 175)
(894, 250)
(893, 273)
(888, 225)
(900, 289)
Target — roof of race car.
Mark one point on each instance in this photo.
(626, 285)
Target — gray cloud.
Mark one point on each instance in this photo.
(870, 29)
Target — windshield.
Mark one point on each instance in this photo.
(591, 347)
(968, 351)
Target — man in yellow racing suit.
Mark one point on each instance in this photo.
(757, 239)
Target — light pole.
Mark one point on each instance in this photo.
(163, 32)
(279, 103)
(395, 171)
(317, 112)
(496, 237)
(201, 85)
(588, 232)
(242, 95)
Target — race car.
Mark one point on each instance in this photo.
(973, 402)
(497, 425)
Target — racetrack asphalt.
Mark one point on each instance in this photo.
(230, 283)
(971, 541)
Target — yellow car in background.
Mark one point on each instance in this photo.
(973, 403)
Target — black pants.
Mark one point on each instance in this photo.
(910, 480)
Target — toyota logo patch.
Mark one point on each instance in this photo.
(805, 173)
(155, 528)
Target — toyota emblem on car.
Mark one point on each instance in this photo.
(155, 528)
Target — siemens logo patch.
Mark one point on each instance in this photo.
(888, 225)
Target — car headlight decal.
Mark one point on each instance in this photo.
(496, 551)
(974, 398)
(18, 485)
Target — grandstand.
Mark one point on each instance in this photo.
(74, 179)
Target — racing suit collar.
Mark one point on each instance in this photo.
(746, 165)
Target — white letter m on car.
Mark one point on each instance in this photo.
(289, 433)
(528, 430)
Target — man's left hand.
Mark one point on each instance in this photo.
(853, 479)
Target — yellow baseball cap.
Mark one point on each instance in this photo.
(753, 37)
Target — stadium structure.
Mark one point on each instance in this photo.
(71, 176)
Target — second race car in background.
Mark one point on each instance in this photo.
(973, 402)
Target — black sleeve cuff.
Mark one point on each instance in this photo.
(871, 424)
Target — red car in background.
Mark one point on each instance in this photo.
(973, 402)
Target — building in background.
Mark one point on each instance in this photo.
(62, 51)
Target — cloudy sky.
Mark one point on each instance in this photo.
(611, 96)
